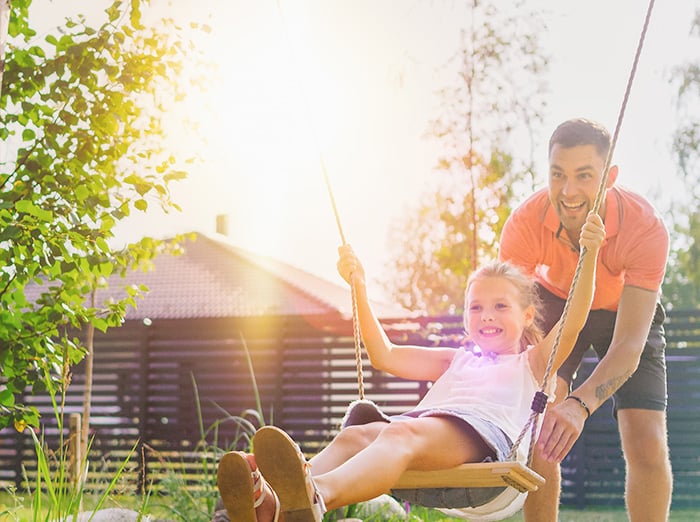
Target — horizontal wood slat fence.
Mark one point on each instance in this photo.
(157, 388)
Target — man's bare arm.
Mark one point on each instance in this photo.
(634, 316)
(564, 422)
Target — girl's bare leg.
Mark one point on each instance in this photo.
(349, 442)
(428, 443)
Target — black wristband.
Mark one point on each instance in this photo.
(583, 404)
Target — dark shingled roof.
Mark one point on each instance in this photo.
(214, 279)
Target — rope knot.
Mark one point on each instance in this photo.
(539, 402)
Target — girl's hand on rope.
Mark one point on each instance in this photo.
(349, 266)
(592, 233)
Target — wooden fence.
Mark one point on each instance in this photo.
(162, 389)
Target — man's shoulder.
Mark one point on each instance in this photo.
(628, 196)
(635, 208)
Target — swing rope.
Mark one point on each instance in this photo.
(540, 400)
(355, 320)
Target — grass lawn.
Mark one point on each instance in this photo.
(598, 515)
(568, 515)
(613, 515)
(14, 508)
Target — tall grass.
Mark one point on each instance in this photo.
(57, 489)
(64, 494)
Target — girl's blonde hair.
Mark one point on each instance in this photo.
(527, 290)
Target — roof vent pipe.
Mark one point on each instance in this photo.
(222, 224)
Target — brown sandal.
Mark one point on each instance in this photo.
(242, 487)
(284, 466)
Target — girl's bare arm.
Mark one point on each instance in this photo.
(592, 236)
(409, 362)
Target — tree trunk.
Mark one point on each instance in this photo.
(87, 392)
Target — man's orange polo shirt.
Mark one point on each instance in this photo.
(634, 251)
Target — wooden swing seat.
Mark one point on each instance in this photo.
(474, 475)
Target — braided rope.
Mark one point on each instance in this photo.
(358, 347)
(531, 423)
(355, 321)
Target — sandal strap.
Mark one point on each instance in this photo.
(259, 484)
(278, 506)
(317, 503)
(260, 490)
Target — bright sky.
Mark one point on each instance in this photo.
(353, 82)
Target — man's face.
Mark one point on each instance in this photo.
(574, 177)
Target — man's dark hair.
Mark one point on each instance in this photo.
(580, 131)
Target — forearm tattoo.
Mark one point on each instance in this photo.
(605, 390)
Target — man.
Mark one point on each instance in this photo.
(625, 326)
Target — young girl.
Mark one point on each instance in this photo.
(477, 406)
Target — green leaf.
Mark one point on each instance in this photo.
(175, 175)
(37, 51)
(106, 269)
(107, 223)
(28, 207)
(102, 244)
(82, 192)
(113, 12)
(100, 324)
(7, 398)
(28, 134)
(9, 232)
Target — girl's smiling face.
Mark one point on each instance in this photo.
(495, 315)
